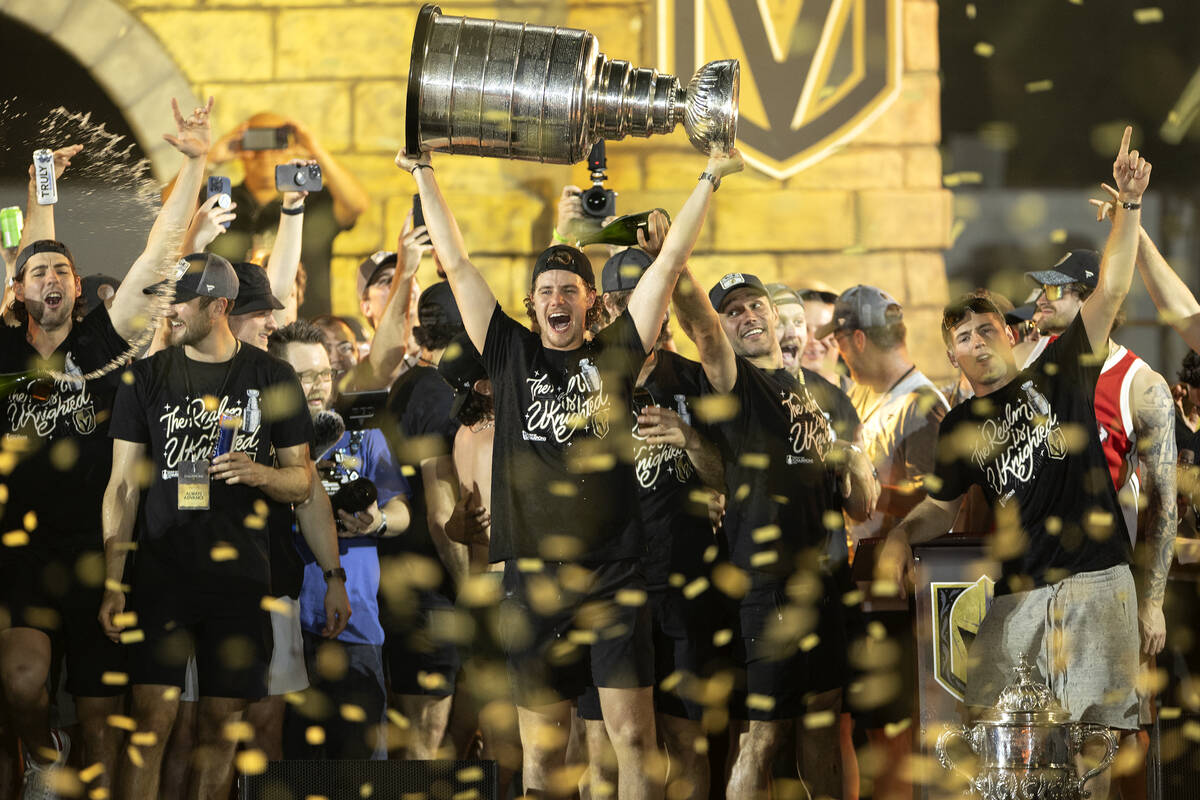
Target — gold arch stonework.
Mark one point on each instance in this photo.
(815, 74)
(124, 58)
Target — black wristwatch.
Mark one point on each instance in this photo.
(336, 572)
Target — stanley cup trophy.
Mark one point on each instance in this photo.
(512, 90)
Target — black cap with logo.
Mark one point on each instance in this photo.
(730, 283)
(201, 275)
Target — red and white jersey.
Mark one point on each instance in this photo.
(1115, 419)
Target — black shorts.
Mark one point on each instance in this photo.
(58, 592)
(418, 661)
(893, 682)
(567, 627)
(787, 651)
(228, 631)
(685, 652)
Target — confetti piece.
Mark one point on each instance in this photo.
(223, 552)
(125, 619)
(1033, 87)
(4, 486)
(755, 460)
(894, 729)
(832, 520)
(819, 719)
(731, 580)
(1170, 712)
(470, 775)
(277, 605)
(398, 719)
(466, 794)
(353, 713)
(144, 738)
(530, 564)
(366, 790)
(30, 521)
(582, 637)
(114, 679)
(314, 735)
(127, 378)
(99, 793)
(132, 636)
(809, 642)
(171, 693)
(984, 49)
(1147, 16)
(956, 229)
(254, 522)
(1058, 235)
(210, 402)
(429, 681)
(760, 702)
(238, 731)
(767, 533)
(631, 598)
(135, 757)
(251, 762)
(408, 471)
(671, 682)
(764, 558)
(971, 11)
(962, 178)
(695, 588)
(710, 553)
(15, 539)
(88, 774)
(722, 637)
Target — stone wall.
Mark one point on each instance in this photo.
(874, 212)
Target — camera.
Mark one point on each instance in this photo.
(298, 177)
(598, 202)
(354, 497)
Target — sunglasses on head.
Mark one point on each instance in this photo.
(957, 312)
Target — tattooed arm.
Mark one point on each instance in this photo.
(1154, 424)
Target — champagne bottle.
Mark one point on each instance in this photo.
(622, 230)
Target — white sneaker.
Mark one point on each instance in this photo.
(37, 784)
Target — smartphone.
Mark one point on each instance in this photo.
(418, 214)
(267, 138)
(361, 410)
(298, 177)
(220, 185)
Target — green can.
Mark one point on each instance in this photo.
(11, 223)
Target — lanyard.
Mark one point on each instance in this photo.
(187, 374)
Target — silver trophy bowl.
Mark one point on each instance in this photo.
(538, 93)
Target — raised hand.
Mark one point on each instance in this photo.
(225, 148)
(62, 159)
(413, 244)
(1130, 171)
(409, 163)
(722, 164)
(208, 223)
(296, 199)
(1106, 208)
(651, 240)
(194, 133)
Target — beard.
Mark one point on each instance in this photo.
(193, 332)
(47, 318)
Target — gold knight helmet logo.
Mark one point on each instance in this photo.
(815, 73)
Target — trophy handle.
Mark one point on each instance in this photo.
(1082, 734)
(943, 754)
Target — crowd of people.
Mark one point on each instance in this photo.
(242, 529)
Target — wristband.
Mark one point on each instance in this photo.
(558, 237)
(292, 212)
(336, 572)
(713, 179)
(421, 166)
(382, 529)
(1131, 206)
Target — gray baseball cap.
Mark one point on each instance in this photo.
(861, 307)
(201, 275)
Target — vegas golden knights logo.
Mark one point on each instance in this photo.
(958, 609)
(815, 73)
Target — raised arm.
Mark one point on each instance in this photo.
(117, 515)
(395, 324)
(1154, 424)
(284, 260)
(1132, 176)
(700, 322)
(650, 298)
(130, 307)
(39, 219)
(475, 300)
(207, 224)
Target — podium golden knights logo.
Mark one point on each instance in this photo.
(958, 609)
(815, 73)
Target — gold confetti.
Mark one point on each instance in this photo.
(314, 735)
(294, 698)
(722, 637)
(127, 378)
(716, 408)
(171, 693)
(114, 679)
(89, 774)
(695, 588)
(1033, 87)
(132, 636)
(223, 552)
(144, 738)
(211, 403)
(466, 794)
(710, 553)
(427, 680)
(755, 460)
(3, 493)
(760, 702)
(971, 11)
(962, 178)
(276, 605)
(530, 564)
(15, 539)
(764, 558)
(353, 713)
(984, 49)
(894, 729)
(1058, 235)
(251, 762)
(398, 719)
(238, 731)
(832, 520)
(732, 581)
(1169, 712)
(254, 522)
(632, 598)
(767, 533)
(1147, 16)
(135, 757)
(819, 719)
(672, 681)
(63, 454)
(582, 637)
(30, 521)
(125, 619)
(470, 775)
(809, 642)
(366, 790)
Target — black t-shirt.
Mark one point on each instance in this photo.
(1186, 441)
(834, 403)
(163, 406)
(1032, 446)
(678, 531)
(60, 429)
(562, 465)
(782, 498)
(255, 225)
(418, 427)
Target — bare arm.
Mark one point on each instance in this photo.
(130, 306)
(650, 298)
(475, 300)
(39, 219)
(1174, 300)
(1132, 175)
(702, 325)
(441, 495)
(930, 519)
(395, 324)
(118, 512)
(1154, 423)
(284, 261)
(315, 518)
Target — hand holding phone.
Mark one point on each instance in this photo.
(222, 186)
(298, 177)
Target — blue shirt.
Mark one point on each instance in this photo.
(358, 454)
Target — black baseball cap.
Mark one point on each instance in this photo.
(40, 246)
(254, 290)
(371, 266)
(1022, 313)
(860, 308)
(562, 256)
(200, 275)
(90, 286)
(460, 366)
(730, 283)
(1077, 266)
(623, 271)
(437, 306)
